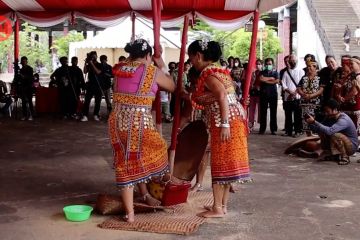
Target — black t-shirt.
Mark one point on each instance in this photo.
(105, 76)
(26, 76)
(282, 72)
(269, 90)
(62, 77)
(93, 78)
(77, 78)
(327, 79)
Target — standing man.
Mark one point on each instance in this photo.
(105, 81)
(357, 35)
(346, 37)
(269, 79)
(24, 84)
(290, 81)
(93, 88)
(282, 71)
(78, 82)
(66, 95)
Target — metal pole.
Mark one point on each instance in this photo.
(156, 7)
(133, 26)
(252, 57)
(179, 89)
(16, 41)
(261, 43)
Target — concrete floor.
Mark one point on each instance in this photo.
(49, 163)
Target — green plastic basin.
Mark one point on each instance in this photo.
(77, 213)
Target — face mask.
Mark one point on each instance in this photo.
(236, 64)
(269, 67)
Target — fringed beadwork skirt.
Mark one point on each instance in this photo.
(140, 153)
(230, 160)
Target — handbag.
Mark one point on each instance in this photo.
(291, 97)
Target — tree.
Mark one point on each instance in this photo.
(37, 51)
(62, 44)
(6, 47)
(34, 50)
(237, 43)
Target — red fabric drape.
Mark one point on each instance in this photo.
(252, 57)
(16, 41)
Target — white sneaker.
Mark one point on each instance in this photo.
(30, 118)
(96, 118)
(84, 119)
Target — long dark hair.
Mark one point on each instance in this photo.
(211, 50)
(138, 48)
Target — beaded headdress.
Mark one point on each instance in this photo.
(139, 40)
(203, 44)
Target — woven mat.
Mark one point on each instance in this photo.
(181, 220)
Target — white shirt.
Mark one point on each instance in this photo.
(287, 83)
(164, 96)
(357, 33)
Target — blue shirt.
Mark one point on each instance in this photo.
(269, 90)
(343, 125)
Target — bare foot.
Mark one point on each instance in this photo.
(224, 208)
(130, 217)
(151, 201)
(210, 208)
(212, 214)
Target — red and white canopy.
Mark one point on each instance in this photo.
(224, 14)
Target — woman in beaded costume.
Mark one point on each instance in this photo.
(226, 121)
(310, 89)
(140, 153)
(350, 94)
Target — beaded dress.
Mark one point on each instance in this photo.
(229, 160)
(140, 153)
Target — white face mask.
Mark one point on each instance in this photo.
(236, 64)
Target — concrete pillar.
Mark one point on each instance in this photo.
(50, 41)
(66, 28)
(284, 35)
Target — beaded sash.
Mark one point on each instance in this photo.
(212, 106)
(133, 115)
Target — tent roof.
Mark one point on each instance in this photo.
(105, 13)
(118, 36)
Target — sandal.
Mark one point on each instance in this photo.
(197, 188)
(344, 161)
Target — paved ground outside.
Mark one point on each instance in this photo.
(49, 163)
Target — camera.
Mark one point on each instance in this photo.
(306, 115)
(90, 56)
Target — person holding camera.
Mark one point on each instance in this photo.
(337, 133)
(93, 87)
